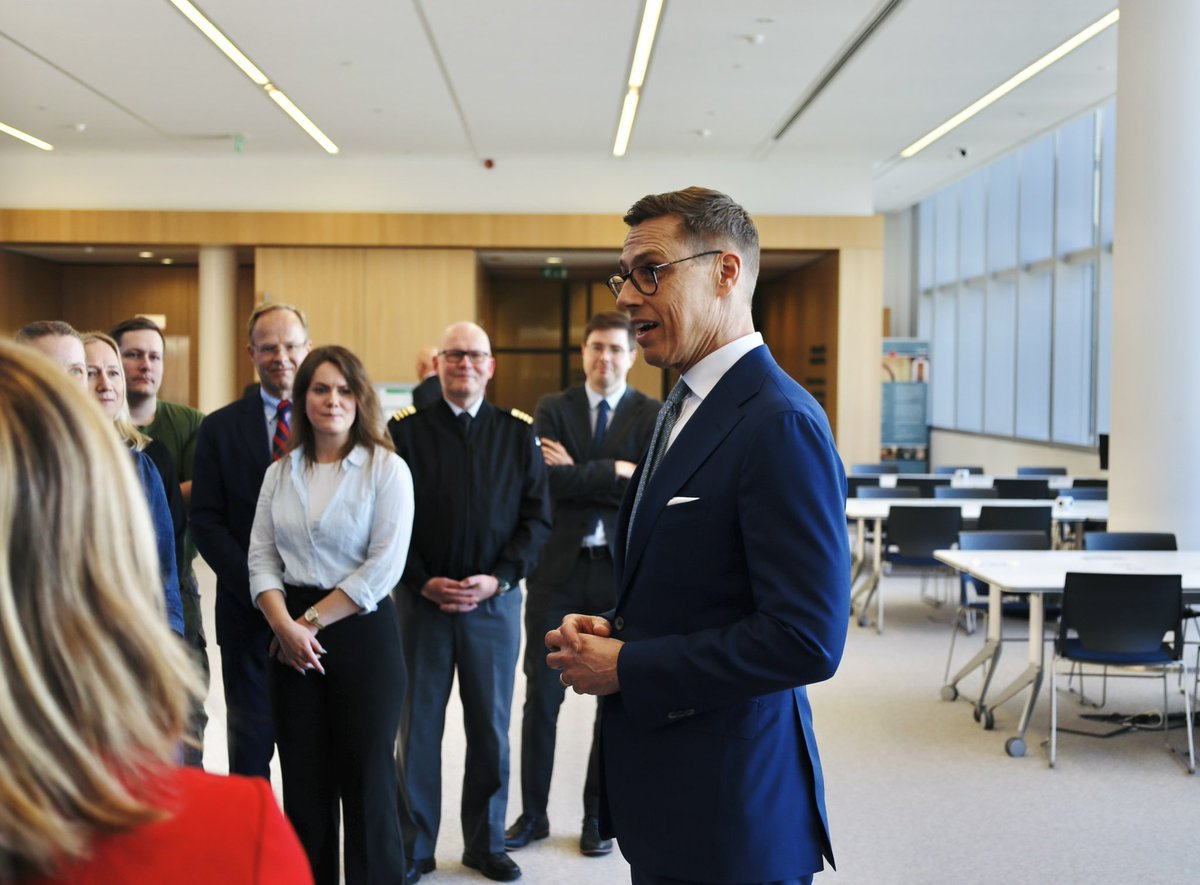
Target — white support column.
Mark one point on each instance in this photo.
(1155, 485)
(221, 345)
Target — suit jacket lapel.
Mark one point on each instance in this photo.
(717, 415)
(579, 423)
(255, 430)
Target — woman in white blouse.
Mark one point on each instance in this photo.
(329, 543)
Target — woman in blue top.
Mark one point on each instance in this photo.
(329, 543)
(106, 381)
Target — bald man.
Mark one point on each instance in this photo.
(480, 485)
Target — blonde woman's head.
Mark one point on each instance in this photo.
(94, 688)
(106, 381)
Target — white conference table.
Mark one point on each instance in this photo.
(876, 509)
(1035, 573)
(973, 480)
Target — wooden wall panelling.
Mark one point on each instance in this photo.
(30, 290)
(96, 296)
(327, 284)
(411, 296)
(245, 373)
(860, 349)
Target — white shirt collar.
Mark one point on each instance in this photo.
(703, 377)
(472, 410)
(613, 398)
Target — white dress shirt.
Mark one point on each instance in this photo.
(703, 377)
(598, 538)
(358, 542)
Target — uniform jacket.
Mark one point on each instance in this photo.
(729, 604)
(589, 489)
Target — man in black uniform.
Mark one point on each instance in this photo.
(592, 438)
(429, 389)
(484, 513)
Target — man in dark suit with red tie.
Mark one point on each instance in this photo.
(235, 447)
(733, 588)
(592, 437)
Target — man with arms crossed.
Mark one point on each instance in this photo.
(176, 427)
(733, 576)
(482, 516)
(592, 436)
(236, 446)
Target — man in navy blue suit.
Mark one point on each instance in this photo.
(733, 576)
(234, 449)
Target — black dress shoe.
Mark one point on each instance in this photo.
(417, 867)
(499, 866)
(590, 842)
(524, 830)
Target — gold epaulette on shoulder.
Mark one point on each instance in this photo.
(522, 416)
(404, 413)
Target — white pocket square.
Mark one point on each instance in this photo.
(681, 500)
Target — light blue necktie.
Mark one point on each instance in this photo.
(667, 417)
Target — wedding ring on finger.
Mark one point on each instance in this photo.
(563, 682)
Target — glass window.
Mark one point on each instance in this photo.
(1033, 356)
(925, 316)
(1002, 214)
(971, 226)
(969, 388)
(925, 244)
(1072, 419)
(999, 372)
(1108, 171)
(1104, 344)
(941, 357)
(1037, 200)
(946, 232)
(1075, 193)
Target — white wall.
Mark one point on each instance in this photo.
(900, 271)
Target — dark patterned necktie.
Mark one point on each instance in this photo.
(667, 417)
(601, 426)
(283, 431)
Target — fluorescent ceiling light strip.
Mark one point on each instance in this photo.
(625, 127)
(642, 49)
(250, 70)
(302, 121)
(1012, 83)
(222, 42)
(26, 137)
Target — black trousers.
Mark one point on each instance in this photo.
(588, 590)
(249, 733)
(336, 734)
(641, 877)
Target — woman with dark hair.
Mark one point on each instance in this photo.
(94, 694)
(329, 543)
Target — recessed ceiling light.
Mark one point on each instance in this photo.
(554, 260)
(145, 255)
(168, 261)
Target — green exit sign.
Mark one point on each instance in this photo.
(554, 273)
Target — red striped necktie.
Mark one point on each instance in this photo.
(283, 432)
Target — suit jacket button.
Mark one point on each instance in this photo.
(619, 623)
(679, 714)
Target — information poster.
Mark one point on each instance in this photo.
(904, 439)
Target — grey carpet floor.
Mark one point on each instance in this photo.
(917, 792)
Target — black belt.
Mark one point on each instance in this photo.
(600, 551)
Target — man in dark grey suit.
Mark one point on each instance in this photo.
(592, 437)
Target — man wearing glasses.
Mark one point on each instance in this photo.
(592, 436)
(235, 447)
(733, 576)
(482, 515)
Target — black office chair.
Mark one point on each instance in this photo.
(1085, 493)
(1129, 541)
(874, 469)
(1121, 621)
(1007, 487)
(964, 492)
(913, 533)
(1089, 483)
(926, 486)
(854, 483)
(973, 595)
(882, 492)
(1041, 471)
(949, 470)
(1032, 518)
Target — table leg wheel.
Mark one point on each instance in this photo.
(862, 620)
(989, 722)
(1014, 747)
(977, 712)
(949, 693)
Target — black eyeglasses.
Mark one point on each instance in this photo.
(478, 357)
(645, 276)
